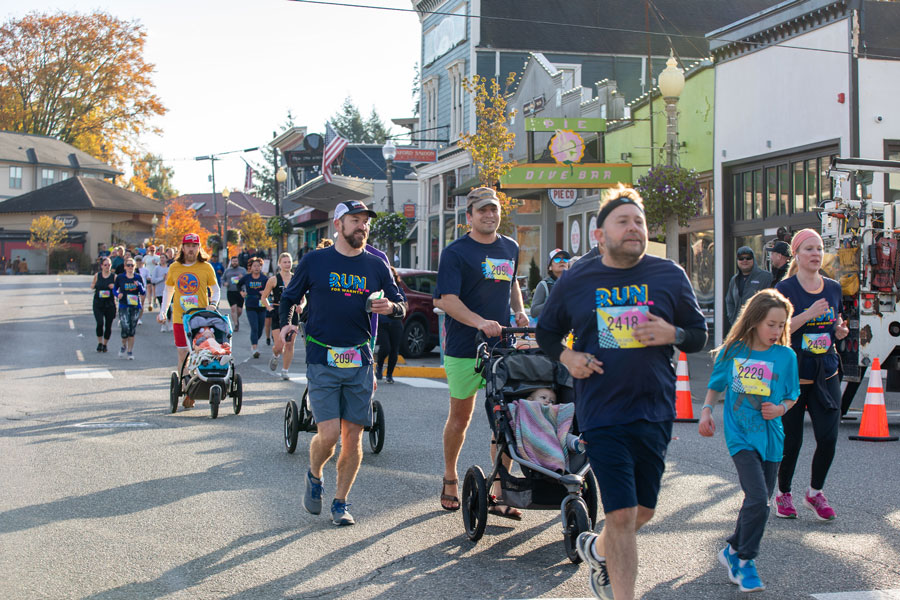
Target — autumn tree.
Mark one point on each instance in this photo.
(152, 178)
(79, 78)
(47, 234)
(492, 139)
(254, 233)
(177, 221)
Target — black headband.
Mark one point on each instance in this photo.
(613, 205)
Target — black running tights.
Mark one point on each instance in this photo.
(104, 317)
(825, 415)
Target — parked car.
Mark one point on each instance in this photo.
(420, 326)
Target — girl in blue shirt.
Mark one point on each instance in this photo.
(129, 289)
(757, 369)
(251, 286)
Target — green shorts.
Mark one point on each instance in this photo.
(462, 379)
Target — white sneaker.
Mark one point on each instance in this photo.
(140, 321)
(121, 351)
(285, 375)
(162, 327)
(130, 356)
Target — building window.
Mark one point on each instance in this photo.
(435, 196)
(455, 73)
(63, 175)
(430, 95)
(15, 178)
(771, 191)
(892, 180)
(433, 243)
(48, 177)
(784, 190)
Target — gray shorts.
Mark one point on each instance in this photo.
(336, 393)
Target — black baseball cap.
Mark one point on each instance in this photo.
(781, 248)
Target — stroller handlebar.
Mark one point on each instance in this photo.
(505, 331)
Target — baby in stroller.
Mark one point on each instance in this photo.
(543, 430)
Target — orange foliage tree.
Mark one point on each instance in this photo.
(177, 221)
(254, 233)
(80, 78)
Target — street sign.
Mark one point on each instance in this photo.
(563, 198)
(415, 155)
(551, 124)
(587, 175)
(303, 158)
(69, 221)
(409, 210)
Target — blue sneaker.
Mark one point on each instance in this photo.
(339, 514)
(730, 561)
(749, 580)
(312, 499)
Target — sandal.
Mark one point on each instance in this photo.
(188, 402)
(448, 497)
(507, 512)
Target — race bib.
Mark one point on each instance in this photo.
(103, 293)
(131, 299)
(615, 325)
(498, 269)
(817, 343)
(189, 302)
(344, 358)
(235, 280)
(752, 377)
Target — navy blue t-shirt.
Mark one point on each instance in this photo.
(254, 288)
(337, 288)
(133, 290)
(815, 340)
(602, 305)
(482, 276)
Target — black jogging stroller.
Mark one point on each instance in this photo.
(510, 375)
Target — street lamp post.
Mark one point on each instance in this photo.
(280, 178)
(671, 84)
(225, 193)
(389, 151)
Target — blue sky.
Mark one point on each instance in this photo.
(229, 70)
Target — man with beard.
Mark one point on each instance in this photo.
(779, 256)
(187, 282)
(344, 283)
(627, 310)
(476, 284)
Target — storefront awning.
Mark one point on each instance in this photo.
(309, 216)
(325, 196)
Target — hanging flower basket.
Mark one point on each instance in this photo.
(389, 227)
(669, 191)
(278, 226)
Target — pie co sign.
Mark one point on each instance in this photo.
(69, 221)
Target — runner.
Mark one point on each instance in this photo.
(232, 276)
(144, 273)
(475, 287)
(275, 286)
(129, 289)
(627, 310)
(104, 302)
(187, 282)
(251, 286)
(341, 281)
(158, 275)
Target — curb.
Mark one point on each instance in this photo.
(427, 372)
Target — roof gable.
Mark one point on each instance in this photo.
(81, 193)
(42, 150)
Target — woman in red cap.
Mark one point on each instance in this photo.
(189, 278)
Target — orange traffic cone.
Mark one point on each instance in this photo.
(873, 426)
(684, 408)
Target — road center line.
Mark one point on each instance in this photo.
(79, 356)
(71, 324)
(88, 373)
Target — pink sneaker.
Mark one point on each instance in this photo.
(784, 506)
(819, 505)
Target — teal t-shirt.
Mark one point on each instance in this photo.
(750, 378)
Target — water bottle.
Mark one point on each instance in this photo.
(574, 443)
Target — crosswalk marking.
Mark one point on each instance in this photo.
(71, 324)
(79, 355)
(88, 373)
(112, 425)
(422, 382)
(871, 595)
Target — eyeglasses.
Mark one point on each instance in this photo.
(560, 259)
(745, 257)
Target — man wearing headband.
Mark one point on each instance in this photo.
(476, 285)
(748, 280)
(627, 310)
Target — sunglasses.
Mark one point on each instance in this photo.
(129, 264)
(560, 259)
(745, 257)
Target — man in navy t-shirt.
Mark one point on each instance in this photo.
(344, 283)
(627, 310)
(476, 284)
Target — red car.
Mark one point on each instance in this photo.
(420, 326)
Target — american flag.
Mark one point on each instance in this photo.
(248, 177)
(334, 145)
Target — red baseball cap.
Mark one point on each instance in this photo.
(190, 238)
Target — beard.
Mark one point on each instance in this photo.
(621, 252)
(356, 240)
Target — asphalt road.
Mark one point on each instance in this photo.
(106, 495)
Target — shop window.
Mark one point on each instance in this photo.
(529, 206)
(799, 187)
(784, 190)
(701, 266)
(706, 198)
(748, 195)
(435, 195)
(771, 191)
(529, 239)
(824, 180)
(812, 187)
(758, 197)
(449, 229)
(433, 243)
(736, 197)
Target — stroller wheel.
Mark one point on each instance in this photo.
(237, 396)
(474, 503)
(575, 521)
(174, 391)
(376, 431)
(291, 426)
(215, 397)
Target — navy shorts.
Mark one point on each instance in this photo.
(235, 299)
(628, 461)
(336, 393)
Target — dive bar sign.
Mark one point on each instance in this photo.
(415, 155)
(552, 124)
(587, 175)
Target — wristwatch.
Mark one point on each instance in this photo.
(679, 335)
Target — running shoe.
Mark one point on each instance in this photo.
(599, 576)
(273, 363)
(140, 321)
(819, 505)
(99, 347)
(285, 375)
(105, 349)
(122, 352)
(784, 506)
(378, 376)
(312, 499)
(389, 379)
(730, 561)
(748, 578)
(339, 514)
(130, 356)
(256, 354)
(162, 327)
